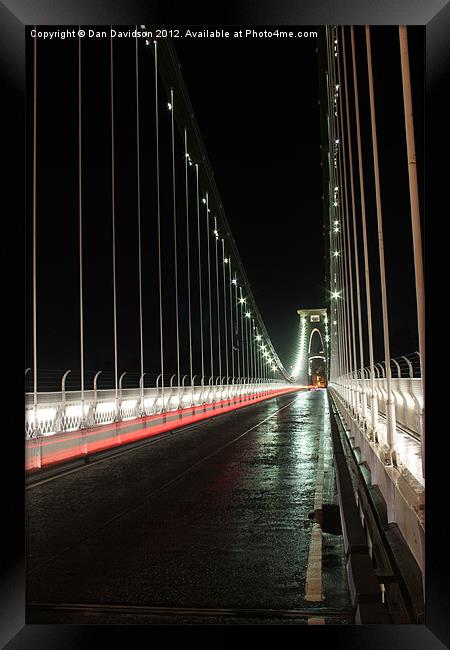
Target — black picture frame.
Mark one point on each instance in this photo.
(14, 16)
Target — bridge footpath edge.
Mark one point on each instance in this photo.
(404, 496)
(386, 520)
(363, 583)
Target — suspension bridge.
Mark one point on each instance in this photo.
(212, 481)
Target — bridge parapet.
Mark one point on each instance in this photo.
(401, 482)
(59, 411)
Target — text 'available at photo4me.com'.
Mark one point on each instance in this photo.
(156, 33)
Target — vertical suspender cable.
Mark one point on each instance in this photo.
(336, 205)
(80, 240)
(347, 226)
(415, 211)
(355, 234)
(339, 259)
(252, 340)
(390, 405)
(414, 191)
(373, 406)
(344, 266)
(141, 333)
(258, 354)
(241, 302)
(250, 345)
(200, 275)
(177, 324)
(219, 353)
(247, 345)
(158, 205)
(113, 225)
(188, 262)
(225, 308)
(238, 345)
(346, 272)
(232, 337)
(34, 240)
(335, 342)
(209, 288)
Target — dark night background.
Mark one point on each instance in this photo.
(256, 104)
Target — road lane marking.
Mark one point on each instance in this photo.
(314, 585)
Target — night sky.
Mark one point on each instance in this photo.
(257, 106)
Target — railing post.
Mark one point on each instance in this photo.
(180, 403)
(155, 403)
(171, 391)
(95, 395)
(217, 385)
(363, 413)
(422, 416)
(63, 398)
(202, 392)
(192, 404)
(410, 368)
(210, 383)
(141, 390)
(119, 414)
(397, 365)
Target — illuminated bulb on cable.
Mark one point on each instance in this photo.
(336, 253)
(169, 106)
(234, 281)
(225, 260)
(247, 314)
(335, 294)
(242, 300)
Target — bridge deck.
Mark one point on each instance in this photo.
(215, 517)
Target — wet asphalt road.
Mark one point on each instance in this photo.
(216, 516)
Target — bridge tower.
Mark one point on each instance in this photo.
(314, 347)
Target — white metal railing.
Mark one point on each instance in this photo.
(366, 405)
(63, 410)
(356, 389)
(408, 399)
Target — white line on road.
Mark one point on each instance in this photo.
(314, 588)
